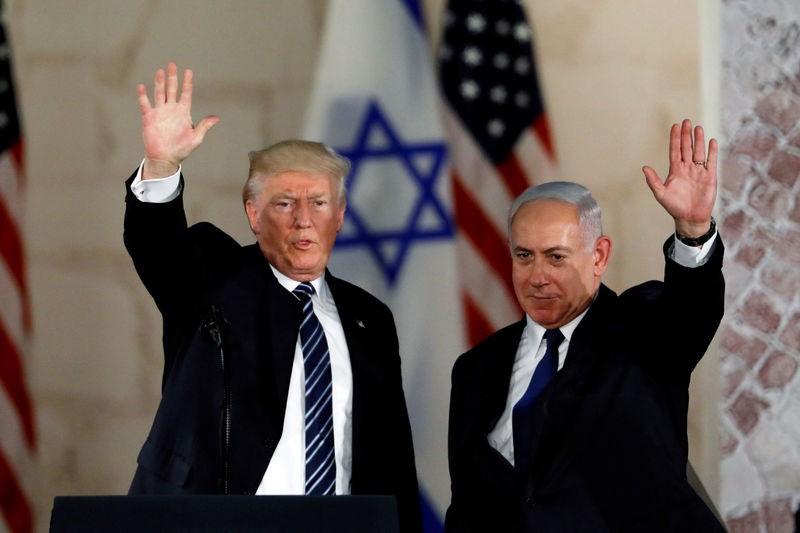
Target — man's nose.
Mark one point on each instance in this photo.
(302, 215)
(538, 275)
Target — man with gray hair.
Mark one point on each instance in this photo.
(574, 418)
(279, 378)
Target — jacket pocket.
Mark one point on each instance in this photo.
(164, 463)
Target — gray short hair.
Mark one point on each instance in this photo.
(298, 156)
(589, 216)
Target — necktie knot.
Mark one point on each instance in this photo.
(553, 338)
(304, 290)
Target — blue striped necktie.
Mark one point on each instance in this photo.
(320, 457)
(522, 414)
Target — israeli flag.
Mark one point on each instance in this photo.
(375, 101)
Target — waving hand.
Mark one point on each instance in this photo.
(168, 132)
(690, 189)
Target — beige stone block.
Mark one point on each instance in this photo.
(119, 122)
(77, 219)
(253, 43)
(86, 341)
(60, 119)
(88, 29)
(637, 226)
(221, 161)
(612, 29)
(287, 115)
(106, 458)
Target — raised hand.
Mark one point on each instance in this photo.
(168, 132)
(690, 189)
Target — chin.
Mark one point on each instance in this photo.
(544, 320)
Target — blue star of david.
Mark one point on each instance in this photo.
(439, 223)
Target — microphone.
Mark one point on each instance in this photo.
(212, 326)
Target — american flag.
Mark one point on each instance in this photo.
(499, 143)
(17, 433)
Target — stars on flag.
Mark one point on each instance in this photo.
(383, 163)
(488, 71)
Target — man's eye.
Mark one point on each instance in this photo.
(319, 203)
(557, 257)
(523, 255)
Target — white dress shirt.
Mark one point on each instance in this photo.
(285, 472)
(531, 350)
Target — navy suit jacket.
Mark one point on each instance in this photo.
(188, 269)
(610, 447)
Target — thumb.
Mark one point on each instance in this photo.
(206, 124)
(653, 181)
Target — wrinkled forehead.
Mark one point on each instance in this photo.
(298, 182)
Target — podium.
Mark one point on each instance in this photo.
(224, 514)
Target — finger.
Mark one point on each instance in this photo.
(172, 82)
(653, 181)
(206, 124)
(711, 165)
(144, 102)
(674, 145)
(158, 88)
(686, 141)
(699, 153)
(186, 90)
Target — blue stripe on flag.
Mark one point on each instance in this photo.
(431, 523)
(416, 13)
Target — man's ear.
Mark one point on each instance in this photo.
(252, 211)
(340, 216)
(601, 253)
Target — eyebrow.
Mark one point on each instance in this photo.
(552, 249)
(290, 196)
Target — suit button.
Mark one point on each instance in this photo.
(269, 443)
(530, 501)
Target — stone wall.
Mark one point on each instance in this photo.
(760, 207)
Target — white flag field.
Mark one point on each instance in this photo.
(375, 101)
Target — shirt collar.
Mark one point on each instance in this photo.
(535, 332)
(320, 285)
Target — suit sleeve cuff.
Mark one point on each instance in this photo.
(158, 190)
(691, 256)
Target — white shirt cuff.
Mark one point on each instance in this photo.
(157, 190)
(692, 256)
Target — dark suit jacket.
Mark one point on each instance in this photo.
(186, 270)
(610, 451)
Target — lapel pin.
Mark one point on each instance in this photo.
(360, 324)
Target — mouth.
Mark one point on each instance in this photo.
(303, 244)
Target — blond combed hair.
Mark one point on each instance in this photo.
(295, 156)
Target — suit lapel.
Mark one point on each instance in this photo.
(556, 405)
(280, 326)
(352, 322)
(498, 374)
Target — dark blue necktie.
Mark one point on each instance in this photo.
(320, 457)
(522, 415)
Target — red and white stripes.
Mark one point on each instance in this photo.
(17, 429)
(482, 194)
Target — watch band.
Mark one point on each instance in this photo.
(702, 239)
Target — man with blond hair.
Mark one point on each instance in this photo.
(279, 378)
